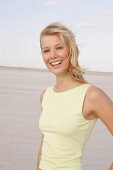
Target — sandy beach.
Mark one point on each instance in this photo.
(19, 116)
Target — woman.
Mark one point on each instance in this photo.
(71, 107)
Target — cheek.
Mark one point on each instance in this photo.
(45, 58)
(67, 54)
(64, 54)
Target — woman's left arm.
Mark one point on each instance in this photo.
(111, 167)
(102, 107)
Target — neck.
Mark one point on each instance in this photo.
(65, 82)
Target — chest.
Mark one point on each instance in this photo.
(62, 116)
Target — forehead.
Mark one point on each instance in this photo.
(53, 39)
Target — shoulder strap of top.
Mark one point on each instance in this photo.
(46, 93)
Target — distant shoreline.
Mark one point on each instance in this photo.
(45, 70)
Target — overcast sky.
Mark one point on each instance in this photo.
(22, 20)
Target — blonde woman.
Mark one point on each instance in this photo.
(70, 107)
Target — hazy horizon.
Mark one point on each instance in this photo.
(22, 21)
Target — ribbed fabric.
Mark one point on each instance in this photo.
(65, 129)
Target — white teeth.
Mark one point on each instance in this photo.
(56, 63)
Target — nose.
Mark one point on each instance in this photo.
(53, 54)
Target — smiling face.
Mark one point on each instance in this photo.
(56, 53)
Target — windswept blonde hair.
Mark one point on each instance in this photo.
(69, 38)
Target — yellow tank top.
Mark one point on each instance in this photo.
(65, 129)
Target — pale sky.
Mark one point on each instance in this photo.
(22, 20)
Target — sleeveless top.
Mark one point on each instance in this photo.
(64, 127)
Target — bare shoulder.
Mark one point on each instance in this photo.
(96, 103)
(42, 95)
(101, 106)
(95, 94)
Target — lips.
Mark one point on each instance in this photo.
(55, 63)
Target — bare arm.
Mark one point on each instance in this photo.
(39, 154)
(40, 147)
(100, 105)
(111, 167)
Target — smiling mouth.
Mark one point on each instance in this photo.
(56, 63)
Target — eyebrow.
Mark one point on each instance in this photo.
(61, 43)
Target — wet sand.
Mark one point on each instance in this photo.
(19, 115)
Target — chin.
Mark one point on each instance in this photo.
(57, 71)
